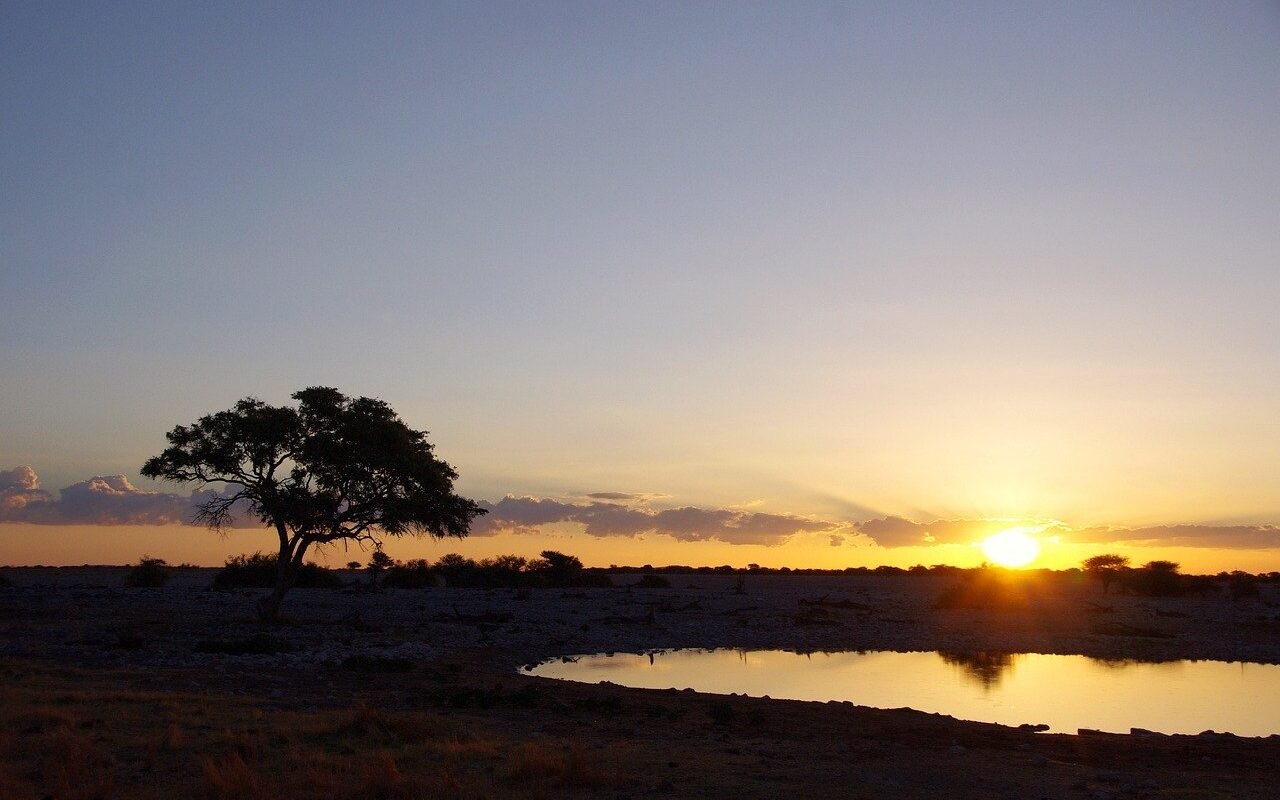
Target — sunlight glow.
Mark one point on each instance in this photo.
(1011, 548)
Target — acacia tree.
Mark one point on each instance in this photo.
(1106, 568)
(332, 469)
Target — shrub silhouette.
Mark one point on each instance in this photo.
(564, 571)
(553, 569)
(985, 587)
(1106, 568)
(1241, 585)
(148, 573)
(652, 582)
(415, 574)
(379, 562)
(1156, 579)
(258, 571)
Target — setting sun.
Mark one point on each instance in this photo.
(1011, 548)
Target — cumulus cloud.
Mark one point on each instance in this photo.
(19, 489)
(100, 500)
(688, 524)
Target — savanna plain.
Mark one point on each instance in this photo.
(361, 692)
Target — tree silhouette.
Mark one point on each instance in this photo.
(1106, 568)
(379, 562)
(332, 469)
(1158, 578)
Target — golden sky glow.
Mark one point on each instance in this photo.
(72, 545)
(782, 287)
(1015, 547)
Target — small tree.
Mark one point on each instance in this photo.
(560, 569)
(1106, 568)
(148, 573)
(379, 562)
(1158, 579)
(333, 468)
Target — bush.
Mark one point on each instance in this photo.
(564, 571)
(148, 573)
(1156, 579)
(985, 587)
(379, 562)
(552, 569)
(415, 574)
(1241, 585)
(258, 571)
(652, 582)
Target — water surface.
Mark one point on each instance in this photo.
(1064, 692)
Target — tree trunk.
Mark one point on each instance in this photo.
(286, 576)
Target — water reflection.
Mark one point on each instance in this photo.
(983, 666)
(1064, 692)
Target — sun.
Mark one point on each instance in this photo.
(1011, 548)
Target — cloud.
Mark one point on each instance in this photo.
(1239, 537)
(688, 524)
(901, 532)
(100, 500)
(625, 497)
(114, 500)
(20, 489)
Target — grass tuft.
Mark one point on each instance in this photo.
(231, 778)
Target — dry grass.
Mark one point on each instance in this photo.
(87, 744)
(231, 778)
(544, 768)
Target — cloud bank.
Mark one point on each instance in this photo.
(114, 500)
(1240, 537)
(100, 500)
(899, 532)
(687, 524)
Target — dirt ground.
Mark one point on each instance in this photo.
(401, 693)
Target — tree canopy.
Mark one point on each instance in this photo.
(1106, 568)
(333, 468)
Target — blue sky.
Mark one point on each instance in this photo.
(926, 260)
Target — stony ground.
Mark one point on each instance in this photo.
(455, 652)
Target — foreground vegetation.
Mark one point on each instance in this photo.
(367, 693)
(60, 739)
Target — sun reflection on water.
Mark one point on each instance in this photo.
(1064, 692)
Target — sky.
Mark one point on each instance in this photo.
(819, 284)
